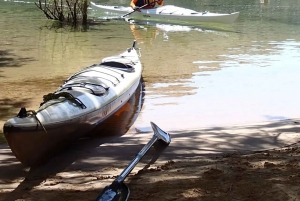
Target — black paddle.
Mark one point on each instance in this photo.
(118, 191)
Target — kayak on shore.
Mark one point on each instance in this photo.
(82, 102)
(168, 13)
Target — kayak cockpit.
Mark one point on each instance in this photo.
(118, 65)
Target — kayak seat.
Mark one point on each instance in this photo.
(118, 65)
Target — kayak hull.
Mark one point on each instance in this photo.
(35, 138)
(169, 13)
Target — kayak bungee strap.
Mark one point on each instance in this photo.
(98, 89)
(51, 96)
(66, 95)
(90, 70)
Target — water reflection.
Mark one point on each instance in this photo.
(277, 54)
(165, 28)
(172, 78)
(242, 91)
(173, 86)
(143, 34)
(152, 29)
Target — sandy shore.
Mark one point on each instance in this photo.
(250, 162)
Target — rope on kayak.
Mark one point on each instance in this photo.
(24, 113)
(139, 52)
(66, 95)
(34, 113)
(51, 96)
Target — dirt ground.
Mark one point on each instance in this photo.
(268, 175)
(264, 176)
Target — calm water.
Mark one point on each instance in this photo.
(195, 77)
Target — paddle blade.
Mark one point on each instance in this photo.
(114, 192)
(160, 134)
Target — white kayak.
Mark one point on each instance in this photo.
(168, 13)
(86, 99)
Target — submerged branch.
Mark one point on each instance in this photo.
(40, 7)
(70, 11)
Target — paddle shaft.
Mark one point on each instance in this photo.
(137, 9)
(118, 191)
(138, 157)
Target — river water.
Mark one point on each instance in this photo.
(195, 77)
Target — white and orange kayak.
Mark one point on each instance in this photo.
(168, 13)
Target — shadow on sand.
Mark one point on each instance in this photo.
(8, 107)
(9, 59)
